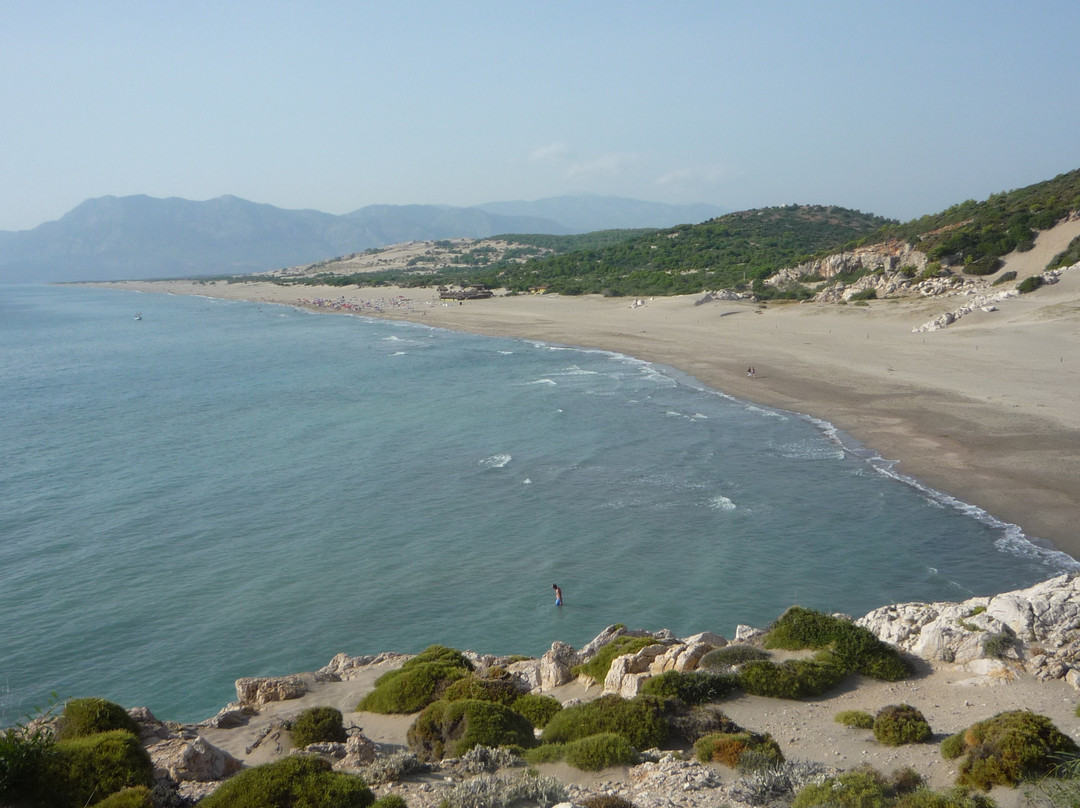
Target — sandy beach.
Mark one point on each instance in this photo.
(984, 410)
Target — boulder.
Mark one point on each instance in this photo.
(556, 664)
(254, 691)
(187, 759)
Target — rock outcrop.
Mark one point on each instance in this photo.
(1038, 627)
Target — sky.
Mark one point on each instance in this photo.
(894, 108)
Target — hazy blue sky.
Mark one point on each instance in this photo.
(896, 108)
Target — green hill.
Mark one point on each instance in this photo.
(974, 235)
(728, 251)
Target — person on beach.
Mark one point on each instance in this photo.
(558, 594)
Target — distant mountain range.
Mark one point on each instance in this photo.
(138, 237)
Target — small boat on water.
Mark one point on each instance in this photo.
(138, 316)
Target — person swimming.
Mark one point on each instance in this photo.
(558, 594)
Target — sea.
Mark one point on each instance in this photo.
(223, 489)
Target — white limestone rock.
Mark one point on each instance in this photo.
(555, 665)
(255, 691)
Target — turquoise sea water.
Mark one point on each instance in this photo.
(226, 489)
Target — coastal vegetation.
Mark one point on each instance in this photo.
(419, 682)
(297, 781)
(732, 749)
(454, 727)
(1008, 749)
(898, 724)
(597, 667)
(859, 719)
(640, 720)
(318, 725)
(737, 251)
(691, 687)
(732, 656)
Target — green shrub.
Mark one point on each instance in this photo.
(998, 645)
(1029, 284)
(731, 656)
(860, 719)
(953, 746)
(795, 679)
(502, 691)
(953, 798)
(454, 727)
(390, 801)
(136, 797)
(23, 754)
(729, 748)
(89, 768)
(601, 751)
(900, 724)
(854, 789)
(440, 654)
(855, 648)
(82, 717)
(865, 294)
(545, 753)
(597, 667)
(692, 723)
(986, 265)
(409, 690)
(691, 687)
(538, 709)
(1011, 747)
(318, 725)
(1005, 278)
(297, 781)
(640, 720)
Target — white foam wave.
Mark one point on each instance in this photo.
(496, 461)
(526, 481)
(550, 382)
(398, 353)
(721, 503)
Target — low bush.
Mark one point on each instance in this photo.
(23, 754)
(538, 709)
(986, 265)
(1009, 748)
(1005, 278)
(691, 687)
(598, 752)
(88, 768)
(998, 645)
(606, 801)
(860, 719)
(1029, 284)
(853, 647)
(729, 748)
(865, 294)
(953, 746)
(504, 790)
(137, 797)
(82, 717)
(640, 720)
(691, 723)
(418, 682)
(795, 679)
(502, 691)
(854, 789)
(318, 725)
(732, 656)
(390, 801)
(545, 753)
(454, 727)
(297, 781)
(900, 724)
(953, 798)
(597, 667)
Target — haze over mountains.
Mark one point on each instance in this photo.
(142, 237)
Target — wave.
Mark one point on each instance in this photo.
(721, 503)
(496, 461)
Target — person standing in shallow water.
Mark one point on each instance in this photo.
(558, 594)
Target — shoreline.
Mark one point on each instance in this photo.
(983, 411)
